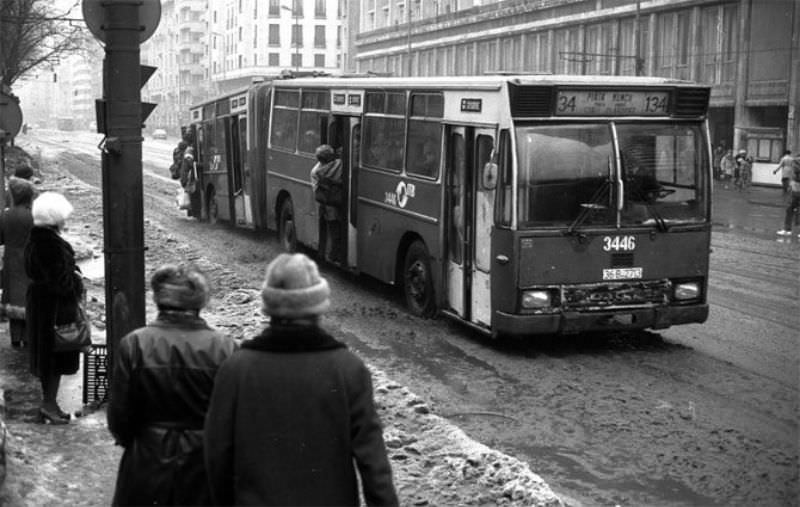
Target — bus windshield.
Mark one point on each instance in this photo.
(568, 174)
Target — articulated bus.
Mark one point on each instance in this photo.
(520, 205)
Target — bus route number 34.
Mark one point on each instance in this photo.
(619, 243)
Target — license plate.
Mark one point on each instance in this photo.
(622, 274)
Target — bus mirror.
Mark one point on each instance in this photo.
(489, 176)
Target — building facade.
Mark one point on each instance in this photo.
(203, 48)
(748, 50)
(178, 50)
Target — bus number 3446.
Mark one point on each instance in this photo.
(619, 243)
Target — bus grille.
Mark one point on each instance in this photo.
(691, 101)
(529, 101)
(600, 296)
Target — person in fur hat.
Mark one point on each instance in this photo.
(292, 420)
(53, 297)
(15, 227)
(159, 393)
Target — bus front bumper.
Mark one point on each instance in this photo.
(576, 322)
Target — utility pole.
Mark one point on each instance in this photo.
(297, 34)
(122, 25)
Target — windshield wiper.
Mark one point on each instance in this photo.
(661, 224)
(594, 204)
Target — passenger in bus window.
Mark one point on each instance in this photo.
(327, 187)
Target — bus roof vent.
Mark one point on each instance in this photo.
(691, 101)
(527, 101)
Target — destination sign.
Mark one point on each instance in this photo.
(612, 103)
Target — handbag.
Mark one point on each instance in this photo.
(75, 336)
(184, 199)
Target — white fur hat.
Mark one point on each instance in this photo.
(51, 209)
(293, 288)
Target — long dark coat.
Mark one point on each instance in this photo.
(55, 290)
(161, 385)
(15, 226)
(291, 417)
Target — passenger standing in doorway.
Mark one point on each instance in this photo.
(328, 190)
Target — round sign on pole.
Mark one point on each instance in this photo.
(10, 114)
(94, 15)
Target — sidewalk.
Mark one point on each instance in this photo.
(759, 210)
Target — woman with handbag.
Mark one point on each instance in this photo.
(54, 297)
(15, 226)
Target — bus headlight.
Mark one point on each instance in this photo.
(686, 290)
(536, 299)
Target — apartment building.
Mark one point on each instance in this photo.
(748, 50)
(251, 38)
(203, 48)
(178, 49)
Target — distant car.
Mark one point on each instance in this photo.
(159, 134)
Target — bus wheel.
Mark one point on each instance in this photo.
(286, 231)
(213, 209)
(417, 281)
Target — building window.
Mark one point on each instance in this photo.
(274, 59)
(339, 36)
(297, 60)
(274, 8)
(274, 35)
(297, 35)
(319, 9)
(319, 61)
(319, 36)
(255, 38)
(297, 8)
(255, 59)
(241, 60)
(241, 32)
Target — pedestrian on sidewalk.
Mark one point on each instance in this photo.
(159, 393)
(727, 166)
(54, 294)
(743, 171)
(785, 167)
(292, 419)
(793, 208)
(15, 227)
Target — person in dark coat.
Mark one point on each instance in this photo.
(160, 388)
(54, 293)
(15, 227)
(292, 420)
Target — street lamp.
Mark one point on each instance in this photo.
(296, 36)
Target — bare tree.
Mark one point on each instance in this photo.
(33, 33)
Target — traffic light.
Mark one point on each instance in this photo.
(101, 105)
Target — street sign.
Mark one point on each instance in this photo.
(10, 114)
(94, 15)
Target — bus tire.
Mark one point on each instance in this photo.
(418, 281)
(287, 235)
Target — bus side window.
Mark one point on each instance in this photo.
(504, 201)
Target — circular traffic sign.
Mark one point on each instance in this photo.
(94, 13)
(10, 114)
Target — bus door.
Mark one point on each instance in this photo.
(344, 134)
(236, 133)
(470, 208)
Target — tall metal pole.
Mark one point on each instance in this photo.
(123, 216)
(408, 40)
(297, 41)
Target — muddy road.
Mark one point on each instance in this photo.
(701, 415)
